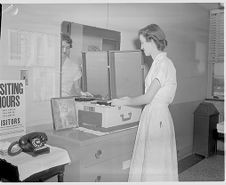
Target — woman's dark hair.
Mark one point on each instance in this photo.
(155, 33)
(67, 39)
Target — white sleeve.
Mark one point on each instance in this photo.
(161, 73)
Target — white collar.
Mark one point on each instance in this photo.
(160, 55)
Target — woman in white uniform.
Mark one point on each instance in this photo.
(154, 155)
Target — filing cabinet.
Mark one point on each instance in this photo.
(96, 158)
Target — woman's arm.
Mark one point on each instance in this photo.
(148, 96)
(140, 100)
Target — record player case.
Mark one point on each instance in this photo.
(113, 74)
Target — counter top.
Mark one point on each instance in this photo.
(83, 138)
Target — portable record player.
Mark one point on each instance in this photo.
(110, 74)
(103, 115)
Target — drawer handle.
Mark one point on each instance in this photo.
(98, 154)
(98, 178)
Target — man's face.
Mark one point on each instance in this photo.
(65, 49)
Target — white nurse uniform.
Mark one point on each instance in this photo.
(155, 155)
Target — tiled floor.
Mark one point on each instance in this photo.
(196, 168)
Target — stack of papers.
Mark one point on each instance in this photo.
(4, 147)
(98, 133)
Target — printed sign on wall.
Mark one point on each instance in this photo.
(12, 108)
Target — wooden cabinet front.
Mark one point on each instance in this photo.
(96, 158)
(108, 171)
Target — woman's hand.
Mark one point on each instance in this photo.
(87, 94)
(120, 102)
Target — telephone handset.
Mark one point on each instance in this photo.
(32, 143)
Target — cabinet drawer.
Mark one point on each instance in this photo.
(101, 151)
(108, 171)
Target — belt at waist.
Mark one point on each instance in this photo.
(159, 103)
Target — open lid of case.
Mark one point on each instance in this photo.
(95, 74)
(113, 74)
(126, 73)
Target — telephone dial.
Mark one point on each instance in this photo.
(32, 143)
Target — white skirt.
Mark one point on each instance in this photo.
(154, 155)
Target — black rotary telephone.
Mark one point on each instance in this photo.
(32, 143)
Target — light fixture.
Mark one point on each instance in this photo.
(220, 5)
(12, 9)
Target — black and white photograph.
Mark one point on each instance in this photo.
(64, 113)
(112, 91)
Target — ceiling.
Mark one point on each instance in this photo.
(209, 6)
